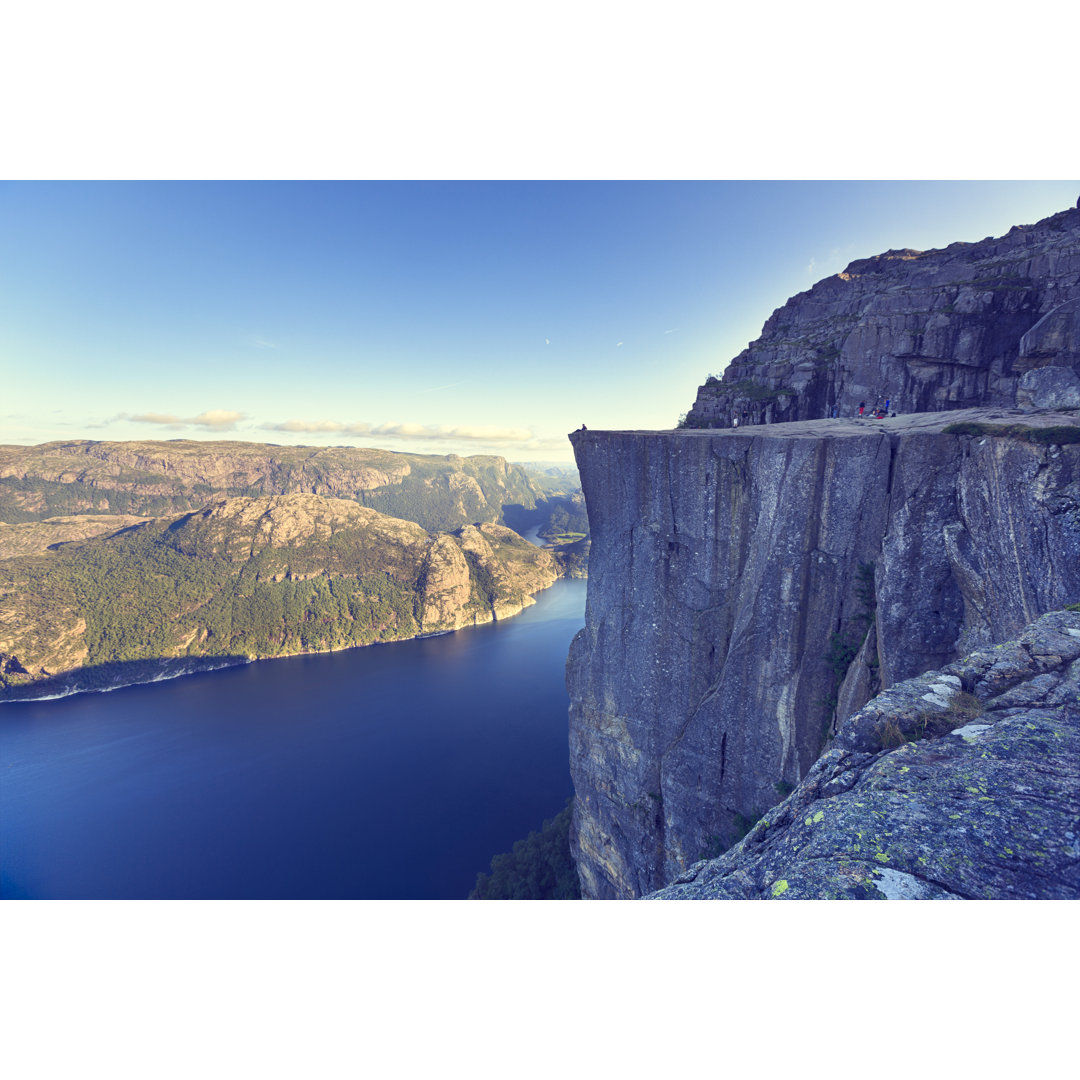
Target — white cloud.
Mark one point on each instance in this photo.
(306, 425)
(617, 344)
(810, 266)
(675, 330)
(547, 341)
(212, 419)
(477, 433)
(261, 343)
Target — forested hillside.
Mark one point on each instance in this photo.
(245, 578)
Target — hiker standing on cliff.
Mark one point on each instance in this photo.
(735, 421)
(862, 405)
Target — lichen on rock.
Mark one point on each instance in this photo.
(954, 810)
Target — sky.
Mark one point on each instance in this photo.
(438, 317)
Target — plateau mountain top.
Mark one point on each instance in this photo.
(149, 479)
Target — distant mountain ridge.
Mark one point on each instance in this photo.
(151, 478)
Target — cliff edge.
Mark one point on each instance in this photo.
(751, 588)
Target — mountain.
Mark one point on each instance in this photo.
(752, 588)
(245, 578)
(151, 479)
(962, 326)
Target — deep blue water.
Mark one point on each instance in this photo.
(388, 772)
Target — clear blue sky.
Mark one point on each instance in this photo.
(439, 317)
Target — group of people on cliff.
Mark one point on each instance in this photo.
(878, 412)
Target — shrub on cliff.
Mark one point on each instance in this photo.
(538, 868)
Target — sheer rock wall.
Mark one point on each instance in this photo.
(743, 581)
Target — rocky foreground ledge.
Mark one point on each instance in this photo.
(962, 783)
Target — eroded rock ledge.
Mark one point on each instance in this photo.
(982, 803)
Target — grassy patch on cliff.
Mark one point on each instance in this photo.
(892, 733)
(537, 868)
(1056, 435)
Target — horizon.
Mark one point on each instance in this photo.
(424, 317)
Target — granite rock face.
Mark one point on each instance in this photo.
(963, 783)
(750, 588)
(929, 330)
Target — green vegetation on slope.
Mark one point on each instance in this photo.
(538, 868)
(248, 578)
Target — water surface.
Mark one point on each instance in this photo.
(387, 772)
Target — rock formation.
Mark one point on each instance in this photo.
(963, 783)
(750, 587)
(969, 325)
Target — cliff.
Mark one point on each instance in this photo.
(246, 578)
(151, 479)
(751, 588)
(990, 323)
(959, 784)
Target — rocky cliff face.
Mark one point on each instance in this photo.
(749, 588)
(155, 478)
(962, 783)
(990, 323)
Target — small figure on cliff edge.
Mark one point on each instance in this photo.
(862, 405)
